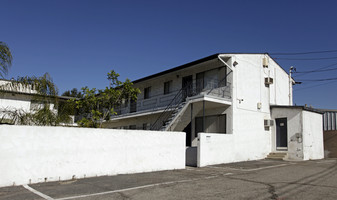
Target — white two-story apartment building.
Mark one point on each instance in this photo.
(230, 94)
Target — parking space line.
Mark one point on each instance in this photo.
(135, 188)
(326, 161)
(37, 192)
(223, 168)
(256, 169)
(247, 170)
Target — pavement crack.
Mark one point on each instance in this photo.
(123, 196)
(271, 188)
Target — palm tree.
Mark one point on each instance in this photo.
(5, 59)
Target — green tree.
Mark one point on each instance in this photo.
(73, 93)
(97, 105)
(5, 59)
(44, 93)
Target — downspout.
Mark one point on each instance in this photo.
(231, 91)
(224, 62)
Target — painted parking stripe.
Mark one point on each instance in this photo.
(327, 161)
(135, 188)
(255, 169)
(268, 167)
(37, 192)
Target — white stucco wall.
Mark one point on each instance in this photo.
(294, 130)
(250, 140)
(34, 154)
(312, 136)
(305, 133)
(228, 148)
(249, 83)
(216, 149)
(15, 104)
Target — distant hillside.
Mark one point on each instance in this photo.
(330, 144)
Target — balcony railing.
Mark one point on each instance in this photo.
(212, 88)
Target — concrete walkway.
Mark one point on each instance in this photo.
(264, 179)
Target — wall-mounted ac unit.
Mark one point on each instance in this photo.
(268, 122)
(268, 80)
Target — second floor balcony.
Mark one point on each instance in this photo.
(212, 88)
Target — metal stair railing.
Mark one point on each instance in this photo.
(178, 102)
(170, 109)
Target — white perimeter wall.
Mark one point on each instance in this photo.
(228, 148)
(216, 149)
(312, 136)
(34, 154)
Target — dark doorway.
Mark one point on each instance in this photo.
(188, 132)
(133, 106)
(281, 134)
(187, 86)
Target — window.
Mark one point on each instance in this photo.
(132, 127)
(36, 105)
(200, 82)
(146, 126)
(147, 93)
(125, 103)
(168, 87)
(213, 124)
(211, 79)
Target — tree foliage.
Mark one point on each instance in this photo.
(5, 59)
(98, 105)
(73, 93)
(46, 112)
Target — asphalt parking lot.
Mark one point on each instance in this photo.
(263, 179)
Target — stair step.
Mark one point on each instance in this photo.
(279, 154)
(276, 156)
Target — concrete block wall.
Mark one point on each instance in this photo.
(37, 154)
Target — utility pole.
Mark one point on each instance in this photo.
(291, 85)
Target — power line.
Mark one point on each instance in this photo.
(303, 53)
(324, 67)
(315, 85)
(317, 70)
(318, 80)
(323, 58)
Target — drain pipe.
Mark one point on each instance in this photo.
(224, 62)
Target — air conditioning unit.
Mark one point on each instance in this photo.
(268, 80)
(265, 62)
(268, 122)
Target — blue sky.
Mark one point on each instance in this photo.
(78, 42)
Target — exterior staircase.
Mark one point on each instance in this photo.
(169, 118)
(277, 156)
(170, 113)
(173, 116)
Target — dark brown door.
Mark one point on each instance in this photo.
(281, 133)
(187, 86)
(133, 106)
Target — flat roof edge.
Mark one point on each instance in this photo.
(299, 107)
